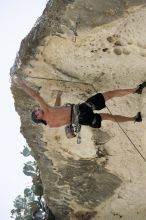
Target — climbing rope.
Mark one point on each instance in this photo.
(125, 132)
(68, 81)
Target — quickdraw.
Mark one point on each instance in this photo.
(74, 128)
(75, 123)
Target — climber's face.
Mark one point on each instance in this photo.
(39, 113)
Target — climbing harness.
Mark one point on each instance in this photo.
(74, 128)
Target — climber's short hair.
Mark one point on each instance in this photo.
(37, 121)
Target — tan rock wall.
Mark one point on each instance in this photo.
(89, 46)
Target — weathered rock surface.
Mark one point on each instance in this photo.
(80, 47)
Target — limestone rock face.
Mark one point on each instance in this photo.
(81, 47)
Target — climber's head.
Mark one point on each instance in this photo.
(37, 116)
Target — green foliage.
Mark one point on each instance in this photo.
(16, 212)
(34, 206)
(32, 163)
(29, 166)
(18, 218)
(28, 217)
(24, 207)
(30, 169)
(26, 151)
(20, 203)
(38, 190)
(27, 192)
(27, 173)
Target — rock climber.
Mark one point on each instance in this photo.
(57, 116)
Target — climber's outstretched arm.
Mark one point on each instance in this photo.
(31, 92)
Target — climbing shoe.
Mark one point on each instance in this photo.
(140, 88)
(138, 117)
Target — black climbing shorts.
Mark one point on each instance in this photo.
(87, 116)
(97, 101)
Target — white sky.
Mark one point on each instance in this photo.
(16, 19)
